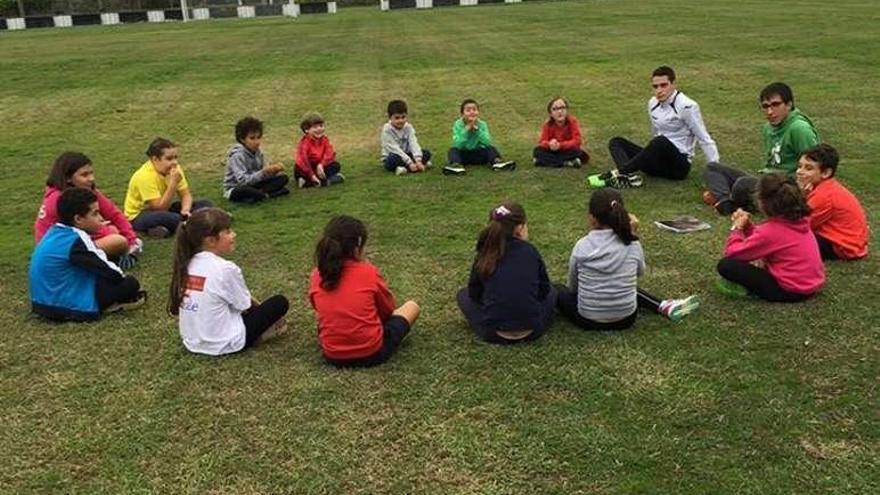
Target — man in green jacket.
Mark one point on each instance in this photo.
(786, 135)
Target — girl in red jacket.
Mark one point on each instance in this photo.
(777, 260)
(116, 238)
(560, 143)
(358, 324)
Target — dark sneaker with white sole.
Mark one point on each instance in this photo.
(508, 166)
(625, 181)
(129, 305)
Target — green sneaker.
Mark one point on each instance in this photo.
(731, 289)
(597, 181)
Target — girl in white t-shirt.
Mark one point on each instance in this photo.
(217, 314)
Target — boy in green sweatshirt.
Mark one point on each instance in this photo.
(785, 136)
(472, 143)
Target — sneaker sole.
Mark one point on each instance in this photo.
(127, 306)
(446, 171)
(687, 307)
(504, 166)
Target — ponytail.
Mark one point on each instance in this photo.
(492, 243)
(206, 222)
(342, 237)
(606, 206)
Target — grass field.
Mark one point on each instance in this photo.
(742, 397)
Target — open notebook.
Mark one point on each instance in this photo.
(683, 224)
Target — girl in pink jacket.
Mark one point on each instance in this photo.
(777, 260)
(72, 169)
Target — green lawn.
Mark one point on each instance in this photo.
(743, 397)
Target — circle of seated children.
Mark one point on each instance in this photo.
(84, 242)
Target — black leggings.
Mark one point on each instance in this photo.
(568, 308)
(757, 281)
(826, 248)
(546, 158)
(108, 293)
(659, 158)
(567, 304)
(259, 317)
(259, 191)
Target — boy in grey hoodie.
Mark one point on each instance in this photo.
(248, 179)
(401, 152)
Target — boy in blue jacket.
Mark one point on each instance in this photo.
(69, 277)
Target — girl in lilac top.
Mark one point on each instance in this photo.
(777, 260)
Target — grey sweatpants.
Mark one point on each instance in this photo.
(732, 188)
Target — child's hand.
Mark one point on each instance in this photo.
(741, 219)
(316, 180)
(273, 169)
(174, 177)
(806, 187)
(554, 145)
(471, 122)
(136, 248)
(320, 172)
(633, 222)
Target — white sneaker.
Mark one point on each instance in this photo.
(676, 309)
(301, 182)
(400, 171)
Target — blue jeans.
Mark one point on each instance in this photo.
(392, 161)
(169, 219)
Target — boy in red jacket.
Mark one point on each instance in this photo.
(836, 216)
(315, 158)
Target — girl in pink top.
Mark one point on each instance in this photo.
(72, 169)
(560, 142)
(777, 260)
